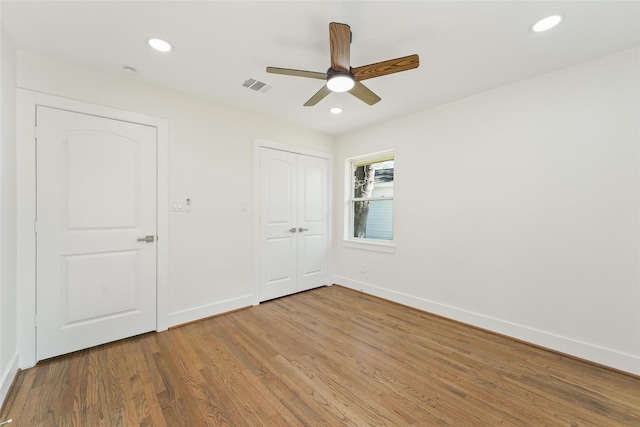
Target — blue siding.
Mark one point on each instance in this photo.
(380, 220)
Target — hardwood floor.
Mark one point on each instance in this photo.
(327, 357)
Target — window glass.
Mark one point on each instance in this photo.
(372, 198)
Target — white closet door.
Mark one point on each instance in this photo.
(313, 200)
(293, 223)
(278, 223)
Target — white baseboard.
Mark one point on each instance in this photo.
(202, 312)
(7, 377)
(603, 356)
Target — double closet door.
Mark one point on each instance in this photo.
(293, 223)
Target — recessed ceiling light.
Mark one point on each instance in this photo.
(160, 45)
(547, 23)
(335, 110)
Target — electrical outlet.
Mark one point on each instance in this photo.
(362, 269)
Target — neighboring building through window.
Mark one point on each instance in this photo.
(372, 197)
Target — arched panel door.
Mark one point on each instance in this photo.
(95, 232)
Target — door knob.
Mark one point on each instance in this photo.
(148, 239)
(300, 229)
(293, 230)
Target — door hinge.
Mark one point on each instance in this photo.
(35, 226)
(36, 133)
(35, 320)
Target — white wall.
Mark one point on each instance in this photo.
(210, 162)
(517, 210)
(8, 333)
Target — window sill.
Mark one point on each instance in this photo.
(389, 248)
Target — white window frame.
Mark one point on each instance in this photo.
(378, 245)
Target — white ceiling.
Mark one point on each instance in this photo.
(464, 47)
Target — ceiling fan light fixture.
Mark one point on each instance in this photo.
(545, 24)
(340, 83)
(335, 110)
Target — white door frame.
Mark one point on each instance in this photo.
(257, 145)
(26, 208)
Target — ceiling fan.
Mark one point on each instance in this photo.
(341, 77)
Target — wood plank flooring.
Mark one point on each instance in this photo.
(327, 357)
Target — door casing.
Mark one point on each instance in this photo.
(258, 144)
(26, 208)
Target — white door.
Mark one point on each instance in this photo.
(313, 227)
(278, 223)
(293, 222)
(96, 205)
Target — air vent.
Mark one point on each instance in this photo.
(248, 83)
(256, 85)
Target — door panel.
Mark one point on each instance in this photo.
(313, 174)
(313, 247)
(98, 285)
(279, 267)
(293, 223)
(96, 196)
(99, 168)
(280, 184)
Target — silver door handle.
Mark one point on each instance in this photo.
(300, 229)
(148, 239)
(293, 230)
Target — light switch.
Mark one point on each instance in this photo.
(176, 205)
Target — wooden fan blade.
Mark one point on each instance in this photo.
(340, 45)
(386, 67)
(297, 73)
(319, 96)
(364, 94)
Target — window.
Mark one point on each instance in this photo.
(371, 202)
